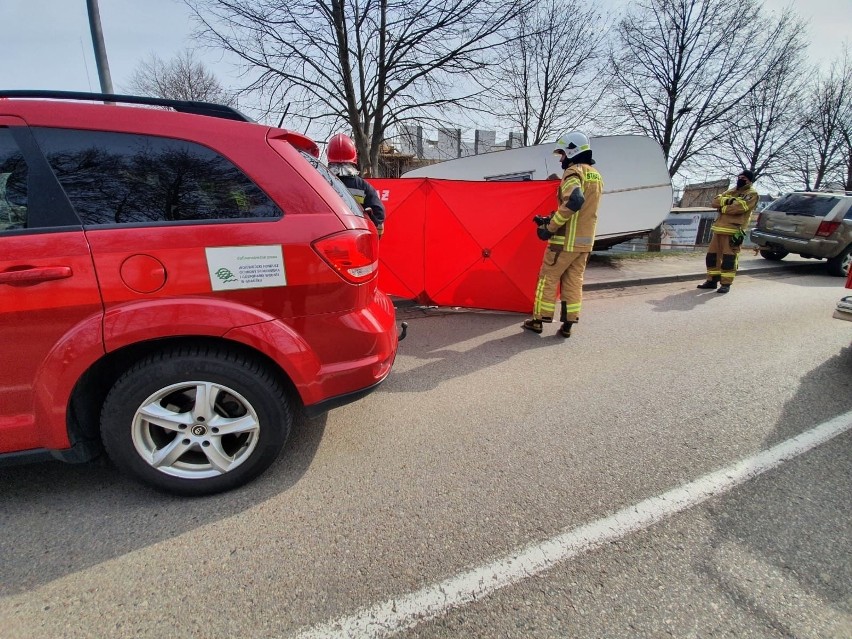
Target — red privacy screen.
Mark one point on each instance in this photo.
(470, 244)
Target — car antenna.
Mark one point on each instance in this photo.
(283, 115)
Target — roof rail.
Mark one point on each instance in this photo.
(183, 106)
(835, 191)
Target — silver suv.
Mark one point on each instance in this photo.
(810, 224)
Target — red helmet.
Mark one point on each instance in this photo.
(341, 148)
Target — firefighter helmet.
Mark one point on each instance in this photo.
(341, 149)
(572, 143)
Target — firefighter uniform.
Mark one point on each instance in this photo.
(342, 161)
(367, 197)
(735, 207)
(569, 247)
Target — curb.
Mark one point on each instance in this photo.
(663, 279)
(699, 275)
(399, 302)
(642, 281)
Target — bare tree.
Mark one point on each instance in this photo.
(367, 65)
(846, 150)
(681, 66)
(550, 79)
(822, 148)
(845, 124)
(760, 130)
(181, 78)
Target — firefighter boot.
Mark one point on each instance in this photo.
(710, 284)
(563, 316)
(724, 288)
(533, 325)
(565, 329)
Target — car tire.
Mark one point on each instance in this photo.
(840, 265)
(154, 428)
(774, 256)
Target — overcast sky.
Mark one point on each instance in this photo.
(46, 44)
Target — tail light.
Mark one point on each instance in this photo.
(827, 228)
(354, 254)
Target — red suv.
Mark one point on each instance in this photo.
(174, 285)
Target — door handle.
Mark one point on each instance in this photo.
(35, 275)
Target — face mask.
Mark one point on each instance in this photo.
(565, 163)
(741, 182)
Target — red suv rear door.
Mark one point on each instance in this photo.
(50, 306)
(184, 242)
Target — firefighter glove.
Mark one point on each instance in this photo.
(542, 219)
(543, 233)
(738, 238)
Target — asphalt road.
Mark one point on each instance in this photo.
(484, 445)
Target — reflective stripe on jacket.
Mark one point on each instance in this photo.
(366, 196)
(735, 207)
(575, 230)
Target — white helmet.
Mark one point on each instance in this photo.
(572, 143)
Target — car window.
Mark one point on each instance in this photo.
(121, 178)
(338, 186)
(13, 184)
(804, 204)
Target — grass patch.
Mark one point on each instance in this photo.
(615, 258)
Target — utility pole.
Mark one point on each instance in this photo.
(100, 47)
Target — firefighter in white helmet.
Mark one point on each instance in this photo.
(342, 161)
(570, 235)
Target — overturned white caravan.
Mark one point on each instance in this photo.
(637, 187)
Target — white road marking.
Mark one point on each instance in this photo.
(404, 612)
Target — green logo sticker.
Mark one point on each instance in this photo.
(225, 275)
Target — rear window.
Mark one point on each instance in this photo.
(808, 204)
(336, 184)
(122, 178)
(13, 184)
